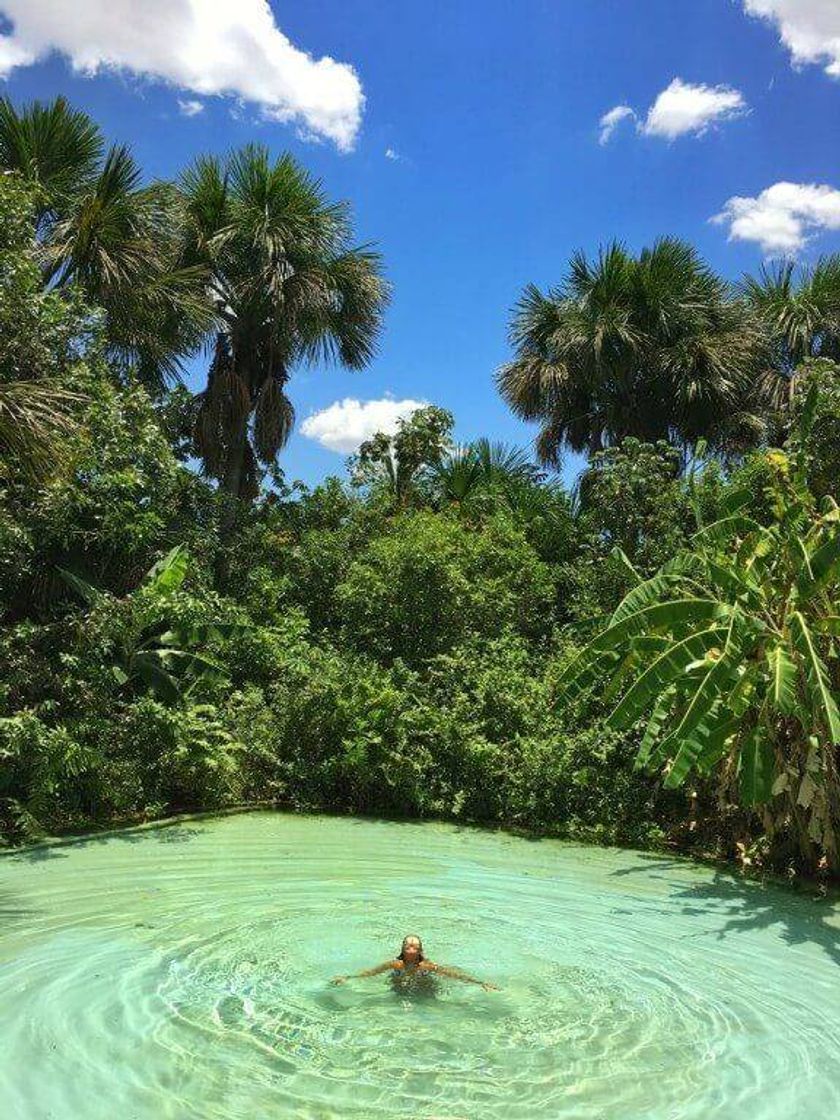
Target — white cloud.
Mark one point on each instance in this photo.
(205, 47)
(683, 108)
(346, 424)
(611, 120)
(191, 108)
(810, 29)
(391, 154)
(783, 217)
(13, 54)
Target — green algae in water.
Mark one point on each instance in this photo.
(183, 973)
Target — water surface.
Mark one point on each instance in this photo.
(182, 973)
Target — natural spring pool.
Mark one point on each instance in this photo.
(183, 973)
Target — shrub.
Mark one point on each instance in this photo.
(431, 582)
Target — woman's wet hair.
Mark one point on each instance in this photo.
(411, 937)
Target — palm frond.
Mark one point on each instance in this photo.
(37, 422)
(54, 147)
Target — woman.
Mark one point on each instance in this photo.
(412, 965)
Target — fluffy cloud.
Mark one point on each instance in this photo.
(683, 108)
(679, 110)
(782, 218)
(346, 424)
(810, 29)
(611, 120)
(12, 54)
(205, 47)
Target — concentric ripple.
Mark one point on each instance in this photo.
(182, 973)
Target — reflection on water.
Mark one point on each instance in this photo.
(184, 973)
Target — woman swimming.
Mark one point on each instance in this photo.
(411, 964)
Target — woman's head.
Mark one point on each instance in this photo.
(412, 949)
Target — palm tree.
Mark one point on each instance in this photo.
(286, 286)
(104, 233)
(800, 310)
(483, 465)
(459, 476)
(653, 346)
(56, 149)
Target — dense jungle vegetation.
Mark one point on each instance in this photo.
(651, 659)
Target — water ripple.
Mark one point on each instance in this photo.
(162, 979)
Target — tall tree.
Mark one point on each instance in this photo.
(104, 232)
(800, 311)
(287, 286)
(653, 346)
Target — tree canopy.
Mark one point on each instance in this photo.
(653, 346)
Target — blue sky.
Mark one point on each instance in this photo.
(492, 110)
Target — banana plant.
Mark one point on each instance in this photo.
(166, 659)
(730, 655)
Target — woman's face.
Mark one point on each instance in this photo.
(411, 950)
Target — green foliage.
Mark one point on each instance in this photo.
(124, 501)
(39, 767)
(403, 462)
(39, 349)
(430, 582)
(731, 654)
(106, 237)
(822, 439)
(472, 737)
(634, 512)
(800, 310)
(631, 498)
(190, 757)
(154, 650)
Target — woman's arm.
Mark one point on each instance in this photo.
(456, 974)
(384, 967)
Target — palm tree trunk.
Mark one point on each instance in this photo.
(233, 479)
(230, 488)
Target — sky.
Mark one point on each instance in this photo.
(480, 143)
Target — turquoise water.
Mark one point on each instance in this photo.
(182, 973)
